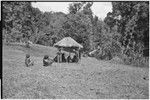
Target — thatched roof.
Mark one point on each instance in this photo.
(68, 42)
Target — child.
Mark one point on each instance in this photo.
(28, 61)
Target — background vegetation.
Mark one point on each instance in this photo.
(123, 33)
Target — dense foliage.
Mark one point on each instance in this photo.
(132, 19)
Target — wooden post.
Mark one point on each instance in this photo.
(78, 55)
(70, 56)
(60, 57)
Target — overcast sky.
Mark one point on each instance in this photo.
(99, 9)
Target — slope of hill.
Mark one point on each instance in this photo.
(88, 79)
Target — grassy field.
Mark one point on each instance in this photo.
(88, 79)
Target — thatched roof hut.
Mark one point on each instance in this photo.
(68, 42)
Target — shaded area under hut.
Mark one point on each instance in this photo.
(71, 46)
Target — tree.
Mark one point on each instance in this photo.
(132, 21)
(78, 26)
(87, 11)
(16, 19)
(75, 7)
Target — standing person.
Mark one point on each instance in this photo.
(28, 61)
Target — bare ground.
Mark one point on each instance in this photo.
(89, 79)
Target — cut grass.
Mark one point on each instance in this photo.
(89, 79)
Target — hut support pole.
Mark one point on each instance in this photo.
(60, 58)
(78, 55)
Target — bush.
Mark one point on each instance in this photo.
(141, 62)
(103, 54)
(138, 61)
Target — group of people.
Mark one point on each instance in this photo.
(62, 58)
(59, 58)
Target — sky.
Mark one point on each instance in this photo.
(99, 9)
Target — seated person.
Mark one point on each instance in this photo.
(75, 58)
(63, 57)
(59, 54)
(69, 59)
(28, 61)
(47, 61)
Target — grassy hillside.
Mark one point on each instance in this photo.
(89, 79)
(34, 50)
